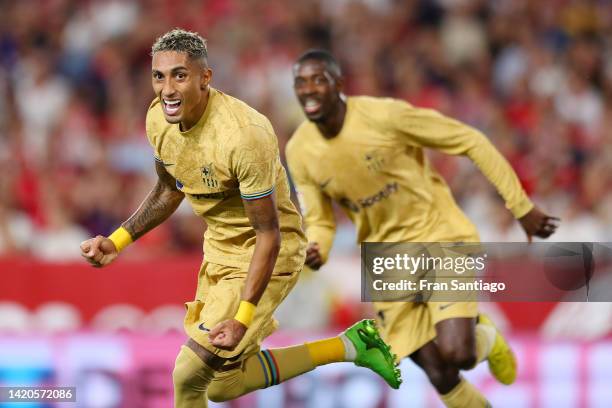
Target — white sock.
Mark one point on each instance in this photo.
(350, 352)
(490, 334)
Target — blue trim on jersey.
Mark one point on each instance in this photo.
(257, 195)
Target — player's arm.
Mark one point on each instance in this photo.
(255, 164)
(263, 217)
(161, 202)
(428, 128)
(317, 211)
(320, 223)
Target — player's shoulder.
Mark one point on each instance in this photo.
(304, 130)
(244, 128)
(304, 133)
(153, 110)
(372, 101)
(239, 112)
(376, 106)
(384, 111)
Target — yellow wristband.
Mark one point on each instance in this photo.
(245, 313)
(121, 238)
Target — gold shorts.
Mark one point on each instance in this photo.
(408, 326)
(217, 299)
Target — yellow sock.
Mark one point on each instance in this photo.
(465, 395)
(264, 369)
(485, 337)
(326, 351)
(273, 366)
(191, 377)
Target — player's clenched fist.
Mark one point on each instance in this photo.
(536, 223)
(227, 334)
(314, 259)
(99, 251)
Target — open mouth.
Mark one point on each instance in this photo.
(312, 106)
(172, 106)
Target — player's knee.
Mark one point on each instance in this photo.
(183, 378)
(226, 386)
(189, 374)
(217, 393)
(460, 357)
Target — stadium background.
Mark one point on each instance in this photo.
(534, 75)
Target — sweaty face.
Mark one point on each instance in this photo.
(181, 85)
(316, 89)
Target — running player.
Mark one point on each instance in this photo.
(367, 154)
(223, 157)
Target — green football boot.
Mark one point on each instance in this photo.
(373, 352)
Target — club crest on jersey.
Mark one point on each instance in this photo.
(374, 161)
(208, 176)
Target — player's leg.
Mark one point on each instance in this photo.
(466, 338)
(194, 369)
(457, 341)
(454, 391)
(442, 375)
(409, 329)
(198, 361)
(261, 370)
(360, 344)
(501, 359)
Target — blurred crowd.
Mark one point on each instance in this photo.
(534, 75)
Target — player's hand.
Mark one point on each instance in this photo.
(536, 223)
(314, 259)
(227, 334)
(99, 251)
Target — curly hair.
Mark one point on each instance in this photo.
(181, 40)
(322, 56)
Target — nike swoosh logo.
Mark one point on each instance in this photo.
(201, 327)
(442, 307)
(325, 183)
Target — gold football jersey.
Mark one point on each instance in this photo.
(231, 154)
(376, 169)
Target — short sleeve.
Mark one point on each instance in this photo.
(151, 129)
(255, 162)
